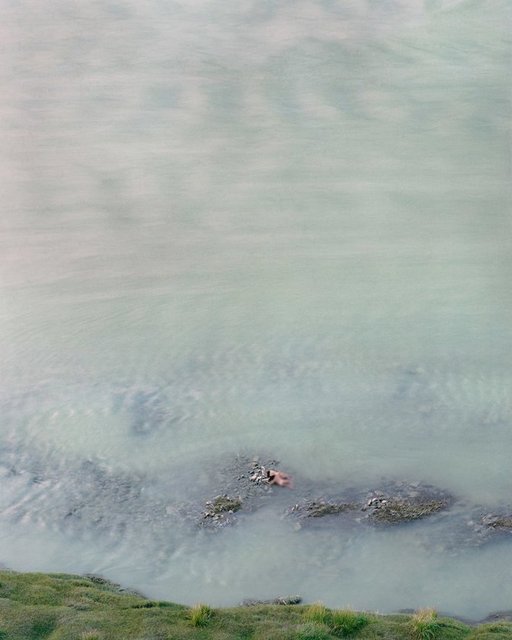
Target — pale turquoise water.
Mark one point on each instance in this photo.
(259, 226)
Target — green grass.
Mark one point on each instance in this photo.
(494, 631)
(317, 612)
(340, 622)
(64, 607)
(200, 615)
(425, 625)
(313, 631)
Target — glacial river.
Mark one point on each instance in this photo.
(256, 227)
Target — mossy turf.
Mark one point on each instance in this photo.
(66, 607)
(223, 504)
(398, 511)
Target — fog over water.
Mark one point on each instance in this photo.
(262, 227)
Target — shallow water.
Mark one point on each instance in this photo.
(267, 227)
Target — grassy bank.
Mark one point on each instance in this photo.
(67, 607)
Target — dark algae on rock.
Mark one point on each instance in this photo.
(220, 510)
(223, 504)
(242, 488)
(319, 509)
(401, 502)
(502, 523)
(322, 508)
(391, 504)
(396, 511)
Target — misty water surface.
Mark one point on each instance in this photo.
(269, 227)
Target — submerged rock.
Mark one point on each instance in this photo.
(498, 616)
(147, 409)
(80, 497)
(464, 526)
(498, 522)
(321, 508)
(483, 529)
(252, 602)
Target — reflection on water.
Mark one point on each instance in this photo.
(269, 227)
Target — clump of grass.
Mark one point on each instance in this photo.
(425, 625)
(494, 631)
(341, 622)
(345, 622)
(200, 615)
(317, 612)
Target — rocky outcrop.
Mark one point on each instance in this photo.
(245, 487)
(394, 503)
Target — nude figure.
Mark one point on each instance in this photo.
(279, 478)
